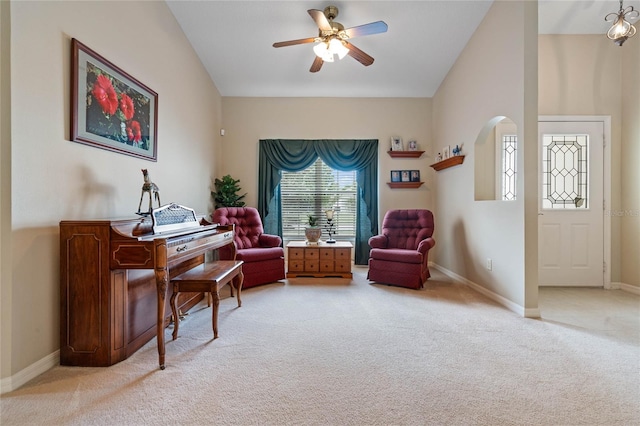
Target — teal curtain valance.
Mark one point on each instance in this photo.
(291, 155)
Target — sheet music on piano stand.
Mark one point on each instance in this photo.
(173, 217)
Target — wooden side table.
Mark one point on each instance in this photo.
(319, 260)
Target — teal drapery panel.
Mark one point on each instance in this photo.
(289, 155)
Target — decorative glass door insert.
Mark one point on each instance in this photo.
(565, 171)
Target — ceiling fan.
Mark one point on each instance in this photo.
(333, 38)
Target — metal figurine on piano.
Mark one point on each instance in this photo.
(151, 189)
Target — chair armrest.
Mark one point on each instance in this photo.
(378, 241)
(426, 244)
(268, 240)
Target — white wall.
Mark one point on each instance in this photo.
(630, 161)
(55, 179)
(247, 120)
(493, 76)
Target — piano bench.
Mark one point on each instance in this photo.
(207, 278)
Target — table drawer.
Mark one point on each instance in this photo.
(296, 253)
(311, 266)
(343, 266)
(326, 266)
(342, 254)
(311, 253)
(326, 254)
(296, 265)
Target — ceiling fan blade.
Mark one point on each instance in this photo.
(359, 55)
(294, 42)
(367, 29)
(321, 21)
(317, 64)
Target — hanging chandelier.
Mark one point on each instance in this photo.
(622, 29)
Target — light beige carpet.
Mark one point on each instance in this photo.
(310, 352)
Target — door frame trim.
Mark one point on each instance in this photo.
(606, 171)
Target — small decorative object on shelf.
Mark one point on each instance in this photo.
(413, 145)
(446, 153)
(396, 144)
(457, 150)
(439, 157)
(448, 162)
(330, 230)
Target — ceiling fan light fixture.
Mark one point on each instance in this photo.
(622, 29)
(328, 50)
(337, 47)
(322, 51)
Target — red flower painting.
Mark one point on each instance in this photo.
(115, 110)
(133, 131)
(105, 94)
(126, 106)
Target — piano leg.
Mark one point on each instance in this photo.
(162, 279)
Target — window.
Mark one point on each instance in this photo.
(565, 172)
(311, 192)
(506, 150)
(508, 190)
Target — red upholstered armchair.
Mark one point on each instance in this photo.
(399, 255)
(262, 253)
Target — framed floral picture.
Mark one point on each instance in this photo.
(109, 108)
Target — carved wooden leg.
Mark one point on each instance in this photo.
(237, 283)
(162, 279)
(174, 310)
(216, 304)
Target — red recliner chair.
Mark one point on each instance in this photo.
(399, 255)
(262, 253)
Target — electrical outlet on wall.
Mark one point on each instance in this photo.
(489, 264)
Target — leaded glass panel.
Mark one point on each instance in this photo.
(565, 172)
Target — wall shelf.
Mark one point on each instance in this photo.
(449, 162)
(395, 185)
(405, 154)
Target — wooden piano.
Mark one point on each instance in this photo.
(114, 277)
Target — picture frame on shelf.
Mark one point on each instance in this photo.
(405, 176)
(446, 152)
(110, 109)
(395, 176)
(415, 175)
(396, 144)
(412, 145)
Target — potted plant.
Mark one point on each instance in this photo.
(312, 232)
(226, 193)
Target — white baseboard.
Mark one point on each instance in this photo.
(626, 287)
(514, 307)
(31, 372)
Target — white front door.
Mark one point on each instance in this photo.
(571, 204)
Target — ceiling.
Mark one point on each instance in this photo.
(234, 42)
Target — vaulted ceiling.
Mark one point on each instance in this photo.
(234, 42)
